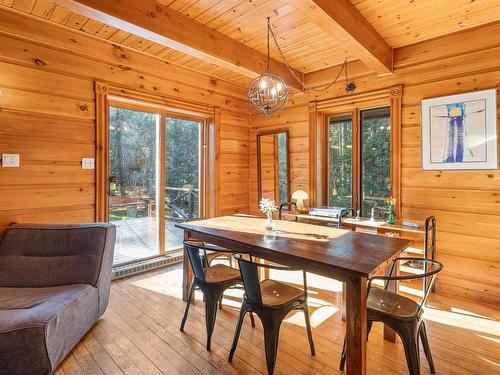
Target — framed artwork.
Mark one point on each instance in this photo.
(460, 132)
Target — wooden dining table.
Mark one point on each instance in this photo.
(344, 255)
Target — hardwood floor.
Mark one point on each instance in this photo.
(139, 334)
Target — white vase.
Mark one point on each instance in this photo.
(270, 226)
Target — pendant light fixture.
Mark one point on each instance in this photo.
(268, 92)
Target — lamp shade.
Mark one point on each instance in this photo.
(300, 194)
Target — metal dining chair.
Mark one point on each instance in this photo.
(402, 314)
(212, 280)
(271, 301)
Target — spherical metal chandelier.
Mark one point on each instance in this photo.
(268, 92)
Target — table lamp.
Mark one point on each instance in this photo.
(300, 195)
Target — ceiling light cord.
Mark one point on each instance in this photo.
(268, 49)
(292, 71)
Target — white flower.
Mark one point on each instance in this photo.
(268, 206)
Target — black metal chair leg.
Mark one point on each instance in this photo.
(344, 347)
(184, 318)
(210, 315)
(309, 330)
(271, 338)
(252, 319)
(220, 302)
(409, 336)
(343, 357)
(237, 333)
(427, 349)
(370, 324)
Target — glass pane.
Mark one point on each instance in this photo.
(182, 185)
(132, 182)
(340, 161)
(282, 168)
(375, 158)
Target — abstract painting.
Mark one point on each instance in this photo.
(460, 132)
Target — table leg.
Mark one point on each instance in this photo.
(389, 333)
(187, 276)
(356, 326)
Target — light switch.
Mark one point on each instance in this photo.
(10, 160)
(88, 163)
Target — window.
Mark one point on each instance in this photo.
(282, 167)
(183, 159)
(359, 160)
(133, 183)
(375, 158)
(340, 161)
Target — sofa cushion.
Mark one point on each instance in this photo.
(40, 326)
(51, 255)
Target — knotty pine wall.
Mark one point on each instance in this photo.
(465, 203)
(47, 115)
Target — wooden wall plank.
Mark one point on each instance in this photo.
(40, 57)
(47, 115)
(46, 104)
(65, 39)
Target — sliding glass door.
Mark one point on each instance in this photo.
(133, 190)
(183, 153)
(155, 180)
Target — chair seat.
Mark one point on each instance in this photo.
(220, 273)
(276, 294)
(385, 302)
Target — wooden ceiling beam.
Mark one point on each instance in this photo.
(154, 21)
(341, 20)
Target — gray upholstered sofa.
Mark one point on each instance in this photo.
(54, 285)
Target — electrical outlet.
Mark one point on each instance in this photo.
(10, 160)
(88, 163)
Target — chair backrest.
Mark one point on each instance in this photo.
(429, 244)
(430, 237)
(197, 258)
(250, 277)
(431, 269)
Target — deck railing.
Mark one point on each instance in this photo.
(181, 204)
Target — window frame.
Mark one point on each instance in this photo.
(273, 132)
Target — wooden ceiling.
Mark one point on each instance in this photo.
(403, 22)
(306, 46)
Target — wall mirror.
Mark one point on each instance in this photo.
(273, 166)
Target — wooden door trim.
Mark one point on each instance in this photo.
(102, 152)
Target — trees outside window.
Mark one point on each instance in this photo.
(359, 160)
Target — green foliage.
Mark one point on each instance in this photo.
(375, 159)
(133, 158)
(376, 162)
(283, 167)
(340, 163)
(183, 153)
